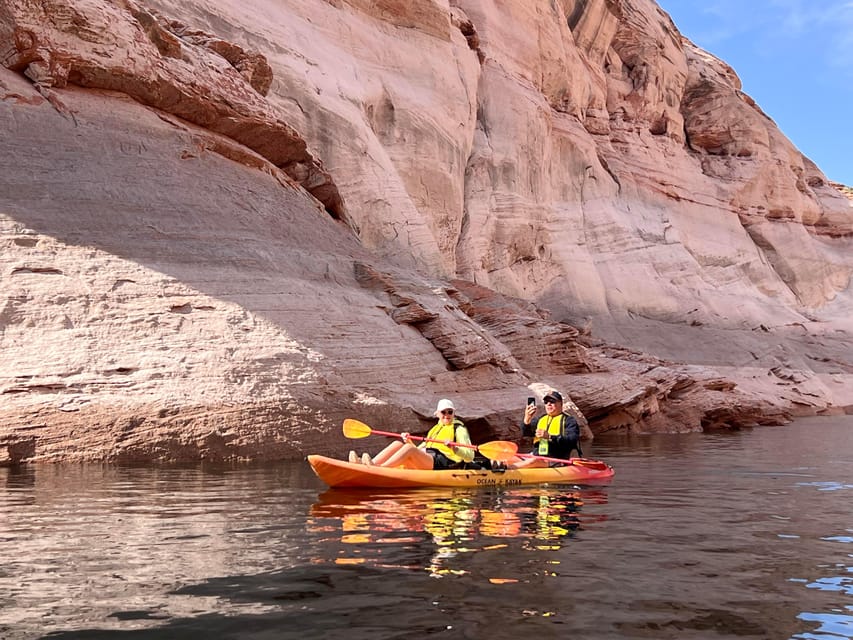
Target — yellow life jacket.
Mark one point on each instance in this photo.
(444, 432)
(553, 426)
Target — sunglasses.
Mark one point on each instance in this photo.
(550, 402)
(447, 412)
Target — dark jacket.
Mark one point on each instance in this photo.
(560, 446)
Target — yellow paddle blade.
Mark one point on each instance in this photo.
(355, 429)
(500, 450)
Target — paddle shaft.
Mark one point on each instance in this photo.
(500, 450)
(397, 435)
(569, 461)
(533, 455)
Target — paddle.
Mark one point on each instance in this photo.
(500, 450)
(592, 464)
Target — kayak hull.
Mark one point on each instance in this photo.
(339, 473)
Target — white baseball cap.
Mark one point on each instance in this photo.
(443, 404)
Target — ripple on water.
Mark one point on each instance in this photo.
(708, 536)
(826, 486)
(832, 626)
(834, 583)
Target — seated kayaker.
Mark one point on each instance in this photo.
(555, 434)
(439, 449)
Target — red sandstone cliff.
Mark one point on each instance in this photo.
(228, 225)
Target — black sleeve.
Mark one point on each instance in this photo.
(529, 429)
(569, 439)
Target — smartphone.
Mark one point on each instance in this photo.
(531, 400)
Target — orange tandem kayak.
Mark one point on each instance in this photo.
(339, 473)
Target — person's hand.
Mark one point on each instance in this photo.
(404, 436)
(529, 410)
(448, 443)
(540, 433)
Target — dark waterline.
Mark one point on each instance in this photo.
(730, 535)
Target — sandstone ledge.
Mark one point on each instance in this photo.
(218, 242)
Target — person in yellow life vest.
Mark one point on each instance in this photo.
(439, 450)
(555, 434)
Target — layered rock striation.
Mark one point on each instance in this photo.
(226, 226)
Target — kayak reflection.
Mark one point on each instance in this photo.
(429, 529)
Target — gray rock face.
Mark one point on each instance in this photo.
(226, 226)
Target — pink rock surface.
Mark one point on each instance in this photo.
(226, 226)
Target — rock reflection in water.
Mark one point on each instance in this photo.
(724, 536)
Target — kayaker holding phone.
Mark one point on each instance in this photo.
(555, 434)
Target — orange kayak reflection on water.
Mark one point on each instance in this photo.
(450, 524)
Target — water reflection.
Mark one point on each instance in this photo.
(720, 536)
(831, 626)
(19, 480)
(452, 524)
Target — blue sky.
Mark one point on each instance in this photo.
(795, 58)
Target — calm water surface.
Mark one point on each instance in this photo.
(737, 535)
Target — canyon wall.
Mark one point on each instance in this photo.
(226, 226)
